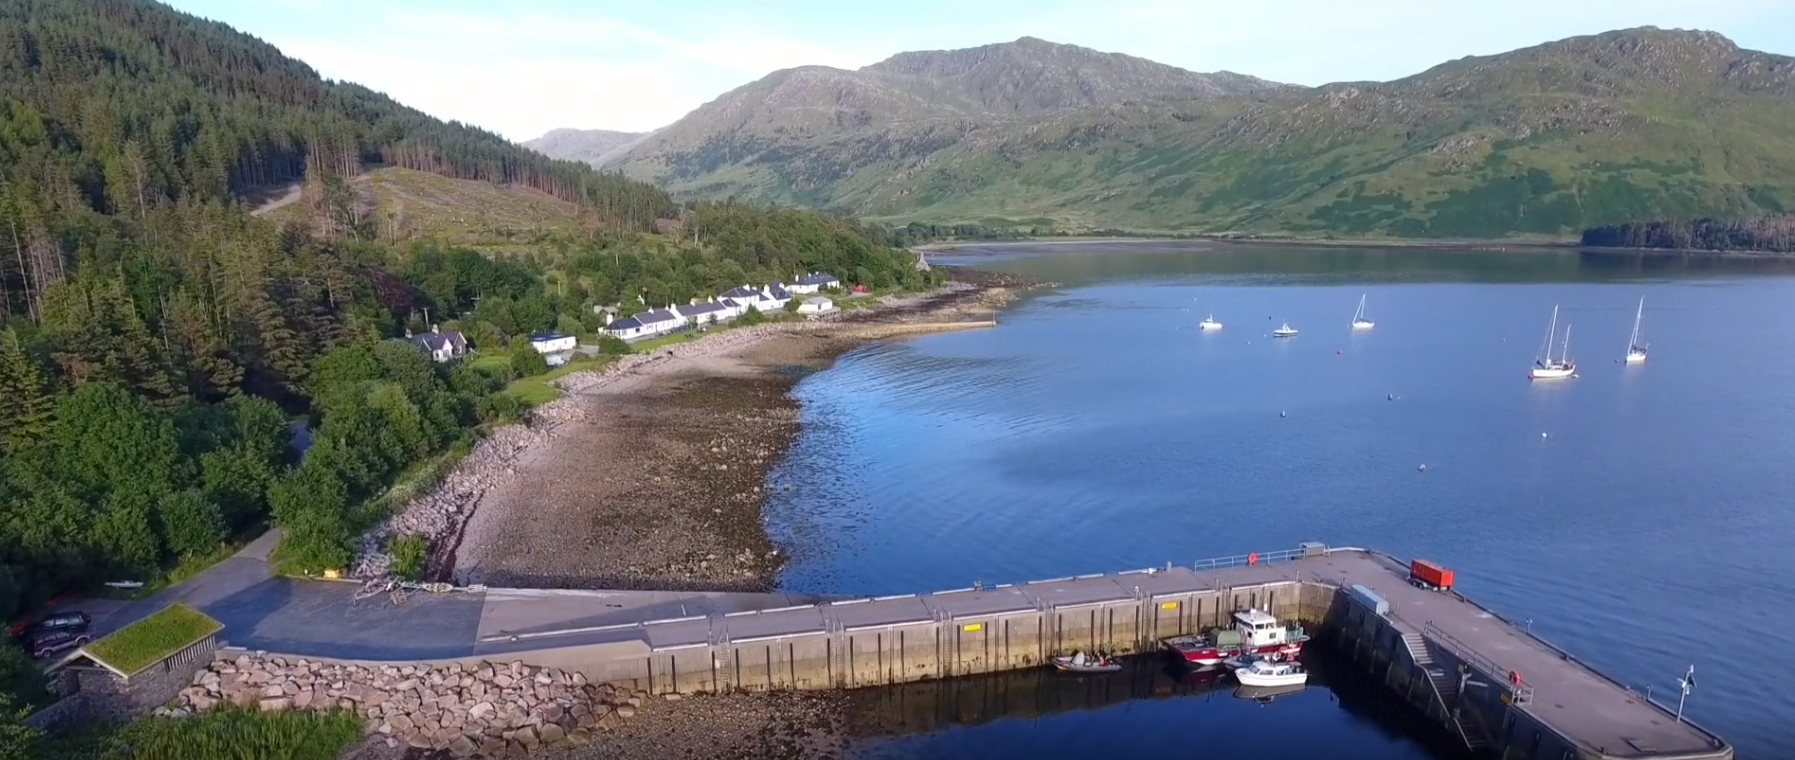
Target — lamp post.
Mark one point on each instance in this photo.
(1687, 684)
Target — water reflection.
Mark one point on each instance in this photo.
(1153, 708)
(1275, 265)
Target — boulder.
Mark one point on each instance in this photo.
(551, 734)
(271, 704)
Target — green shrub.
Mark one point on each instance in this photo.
(408, 552)
(498, 407)
(526, 361)
(751, 317)
(611, 345)
(18, 739)
(235, 733)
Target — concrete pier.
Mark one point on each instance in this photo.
(1486, 681)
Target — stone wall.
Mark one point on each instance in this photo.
(61, 715)
(473, 709)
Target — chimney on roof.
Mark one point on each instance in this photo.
(436, 328)
(607, 319)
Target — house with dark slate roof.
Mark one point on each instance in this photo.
(705, 313)
(646, 324)
(441, 346)
(814, 282)
(773, 298)
(628, 328)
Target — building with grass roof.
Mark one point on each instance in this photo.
(143, 665)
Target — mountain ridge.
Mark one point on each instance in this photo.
(589, 146)
(1548, 139)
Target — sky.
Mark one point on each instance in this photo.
(523, 67)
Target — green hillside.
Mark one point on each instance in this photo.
(1545, 141)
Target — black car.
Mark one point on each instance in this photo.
(63, 630)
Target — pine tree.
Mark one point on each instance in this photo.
(27, 408)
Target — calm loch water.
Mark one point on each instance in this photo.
(1639, 516)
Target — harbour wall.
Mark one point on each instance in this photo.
(905, 639)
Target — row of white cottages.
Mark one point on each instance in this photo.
(723, 308)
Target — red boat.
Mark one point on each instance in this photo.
(1254, 632)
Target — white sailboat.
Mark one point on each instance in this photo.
(1635, 349)
(1547, 368)
(1284, 331)
(1359, 322)
(1209, 323)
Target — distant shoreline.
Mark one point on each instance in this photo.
(1484, 245)
(1519, 246)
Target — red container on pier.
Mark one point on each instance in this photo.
(1430, 575)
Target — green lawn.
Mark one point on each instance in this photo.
(541, 389)
(490, 362)
(143, 643)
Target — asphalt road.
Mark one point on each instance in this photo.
(322, 618)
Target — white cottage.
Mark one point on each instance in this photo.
(814, 282)
(552, 343)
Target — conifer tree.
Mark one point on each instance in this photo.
(27, 407)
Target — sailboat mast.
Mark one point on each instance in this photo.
(1564, 354)
(1551, 332)
(1633, 342)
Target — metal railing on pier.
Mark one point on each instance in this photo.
(1512, 680)
(1242, 560)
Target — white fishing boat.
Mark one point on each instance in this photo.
(1548, 368)
(1268, 673)
(1284, 331)
(1359, 320)
(1636, 349)
(1209, 323)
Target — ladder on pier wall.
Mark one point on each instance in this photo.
(1445, 689)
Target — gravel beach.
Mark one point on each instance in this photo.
(652, 473)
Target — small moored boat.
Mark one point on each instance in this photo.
(1359, 320)
(1079, 663)
(1548, 368)
(1265, 694)
(1636, 349)
(1209, 323)
(1268, 673)
(1284, 331)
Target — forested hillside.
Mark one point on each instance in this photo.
(156, 339)
(1766, 234)
(117, 106)
(1542, 142)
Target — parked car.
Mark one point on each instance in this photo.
(52, 640)
(52, 634)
